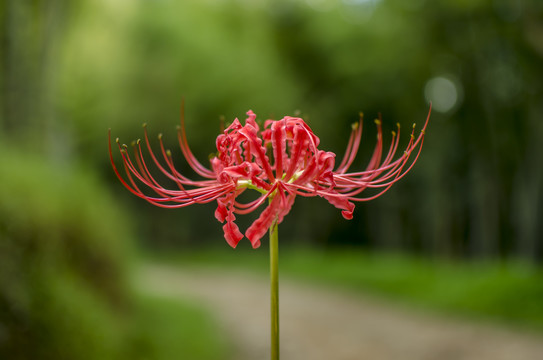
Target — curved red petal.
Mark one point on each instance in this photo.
(261, 225)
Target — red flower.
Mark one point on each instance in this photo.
(243, 162)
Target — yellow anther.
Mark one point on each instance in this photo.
(414, 125)
(423, 132)
(168, 153)
(412, 137)
(117, 140)
(138, 141)
(393, 133)
(133, 143)
(398, 125)
(361, 114)
(160, 136)
(377, 121)
(144, 125)
(354, 126)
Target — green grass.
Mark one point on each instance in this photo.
(510, 293)
(166, 329)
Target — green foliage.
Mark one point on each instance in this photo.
(65, 255)
(477, 174)
(63, 259)
(109, 64)
(160, 52)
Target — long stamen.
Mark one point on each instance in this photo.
(352, 146)
(191, 159)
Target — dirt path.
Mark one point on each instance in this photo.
(318, 324)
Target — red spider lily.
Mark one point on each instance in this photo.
(242, 162)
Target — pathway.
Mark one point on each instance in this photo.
(320, 324)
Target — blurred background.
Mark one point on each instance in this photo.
(71, 235)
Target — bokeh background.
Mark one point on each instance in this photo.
(71, 235)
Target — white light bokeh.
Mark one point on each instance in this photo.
(358, 11)
(445, 93)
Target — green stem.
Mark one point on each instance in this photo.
(274, 281)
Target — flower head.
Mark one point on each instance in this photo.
(242, 162)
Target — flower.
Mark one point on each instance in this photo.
(242, 162)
